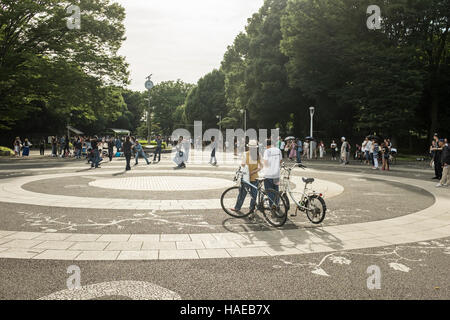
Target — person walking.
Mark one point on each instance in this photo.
(375, 151)
(282, 146)
(251, 162)
(321, 149)
(445, 161)
(26, 148)
(306, 150)
(42, 147)
(334, 150)
(139, 150)
(299, 150)
(345, 151)
(158, 149)
(292, 150)
(95, 158)
(111, 149)
(127, 145)
(54, 146)
(213, 146)
(67, 147)
(385, 153)
(272, 164)
(437, 158)
(17, 146)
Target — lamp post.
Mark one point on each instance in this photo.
(244, 111)
(220, 122)
(68, 125)
(311, 112)
(149, 85)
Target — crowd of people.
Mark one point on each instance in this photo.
(371, 151)
(93, 149)
(440, 160)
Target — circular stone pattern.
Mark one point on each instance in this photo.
(165, 183)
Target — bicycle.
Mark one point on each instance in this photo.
(269, 202)
(311, 202)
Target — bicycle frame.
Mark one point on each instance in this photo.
(286, 188)
(244, 184)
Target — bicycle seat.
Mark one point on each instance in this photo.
(308, 180)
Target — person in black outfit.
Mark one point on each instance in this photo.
(42, 146)
(110, 149)
(127, 151)
(158, 149)
(95, 153)
(437, 159)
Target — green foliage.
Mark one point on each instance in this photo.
(166, 99)
(207, 100)
(45, 67)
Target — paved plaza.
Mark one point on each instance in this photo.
(159, 233)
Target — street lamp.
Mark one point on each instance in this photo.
(149, 85)
(311, 112)
(244, 111)
(220, 122)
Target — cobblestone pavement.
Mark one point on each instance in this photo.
(156, 218)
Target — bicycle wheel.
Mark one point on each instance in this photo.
(316, 209)
(274, 208)
(287, 202)
(229, 200)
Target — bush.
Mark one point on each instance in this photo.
(6, 152)
(153, 143)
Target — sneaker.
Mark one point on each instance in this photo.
(439, 185)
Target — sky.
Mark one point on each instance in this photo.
(180, 39)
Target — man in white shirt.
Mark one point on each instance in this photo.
(272, 161)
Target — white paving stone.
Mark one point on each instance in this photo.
(57, 255)
(184, 245)
(220, 244)
(213, 253)
(177, 254)
(22, 235)
(127, 246)
(144, 238)
(175, 237)
(138, 255)
(84, 246)
(83, 237)
(19, 253)
(159, 245)
(55, 245)
(98, 255)
(246, 252)
(21, 244)
(281, 250)
(114, 238)
(53, 236)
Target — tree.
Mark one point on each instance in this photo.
(45, 66)
(166, 98)
(256, 78)
(207, 100)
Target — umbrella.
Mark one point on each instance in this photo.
(310, 138)
(289, 138)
